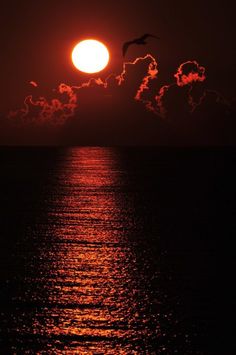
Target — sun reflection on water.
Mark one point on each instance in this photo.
(88, 264)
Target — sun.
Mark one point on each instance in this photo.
(90, 56)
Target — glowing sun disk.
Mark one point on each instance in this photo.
(90, 56)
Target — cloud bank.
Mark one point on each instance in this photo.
(184, 98)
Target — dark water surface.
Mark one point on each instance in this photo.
(116, 250)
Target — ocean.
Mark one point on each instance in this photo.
(116, 250)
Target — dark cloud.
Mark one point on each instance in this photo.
(190, 72)
(123, 108)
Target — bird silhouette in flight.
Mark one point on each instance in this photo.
(140, 40)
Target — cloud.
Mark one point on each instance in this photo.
(56, 110)
(64, 106)
(151, 74)
(190, 72)
(161, 108)
(176, 107)
(33, 83)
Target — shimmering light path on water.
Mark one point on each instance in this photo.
(109, 251)
(88, 263)
(83, 289)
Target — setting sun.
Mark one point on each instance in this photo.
(90, 56)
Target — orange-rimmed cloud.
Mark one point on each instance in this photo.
(188, 73)
(33, 83)
(67, 101)
(152, 71)
(58, 109)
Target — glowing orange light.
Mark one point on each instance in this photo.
(90, 56)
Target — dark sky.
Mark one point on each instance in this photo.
(36, 42)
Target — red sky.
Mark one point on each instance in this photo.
(37, 38)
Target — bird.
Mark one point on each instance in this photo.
(140, 40)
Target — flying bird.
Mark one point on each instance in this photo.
(140, 40)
